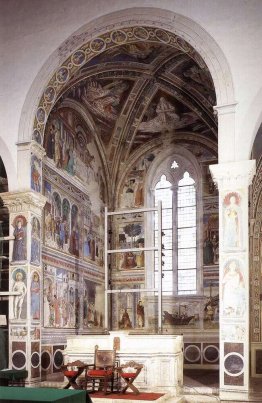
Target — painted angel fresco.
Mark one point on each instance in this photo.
(166, 119)
(103, 100)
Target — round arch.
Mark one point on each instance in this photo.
(177, 24)
(10, 165)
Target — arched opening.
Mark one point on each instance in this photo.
(107, 118)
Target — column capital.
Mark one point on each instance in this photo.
(37, 149)
(24, 201)
(231, 175)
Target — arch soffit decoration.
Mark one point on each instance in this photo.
(63, 67)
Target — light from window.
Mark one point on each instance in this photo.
(164, 193)
(186, 236)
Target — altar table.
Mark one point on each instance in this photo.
(160, 355)
(42, 395)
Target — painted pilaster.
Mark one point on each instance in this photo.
(25, 278)
(30, 156)
(233, 180)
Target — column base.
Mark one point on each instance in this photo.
(234, 396)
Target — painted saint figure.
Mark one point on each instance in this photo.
(35, 297)
(233, 290)
(125, 322)
(232, 224)
(19, 251)
(140, 314)
(19, 286)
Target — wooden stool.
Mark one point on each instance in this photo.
(72, 371)
(129, 372)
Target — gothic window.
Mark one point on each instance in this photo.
(179, 203)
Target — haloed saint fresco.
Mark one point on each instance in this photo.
(18, 304)
(35, 296)
(20, 235)
(232, 216)
(36, 178)
(233, 289)
(35, 241)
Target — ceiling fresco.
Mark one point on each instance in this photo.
(136, 91)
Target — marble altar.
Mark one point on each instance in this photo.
(161, 355)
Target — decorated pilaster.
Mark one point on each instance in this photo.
(233, 180)
(25, 277)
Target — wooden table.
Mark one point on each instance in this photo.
(42, 395)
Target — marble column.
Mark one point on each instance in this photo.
(233, 180)
(25, 277)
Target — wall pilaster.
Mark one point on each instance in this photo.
(25, 278)
(233, 180)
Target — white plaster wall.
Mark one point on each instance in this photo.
(31, 30)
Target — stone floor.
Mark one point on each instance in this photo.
(200, 386)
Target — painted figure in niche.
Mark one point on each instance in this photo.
(74, 237)
(50, 144)
(58, 148)
(19, 248)
(233, 285)
(208, 253)
(35, 296)
(87, 244)
(140, 256)
(35, 174)
(35, 242)
(128, 193)
(125, 322)
(232, 220)
(19, 286)
(140, 314)
(138, 191)
(215, 244)
(71, 161)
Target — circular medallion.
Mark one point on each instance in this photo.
(97, 45)
(19, 359)
(234, 364)
(58, 359)
(162, 36)
(78, 57)
(141, 33)
(183, 44)
(62, 74)
(192, 353)
(49, 94)
(118, 36)
(45, 360)
(211, 353)
(37, 136)
(35, 360)
(41, 115)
